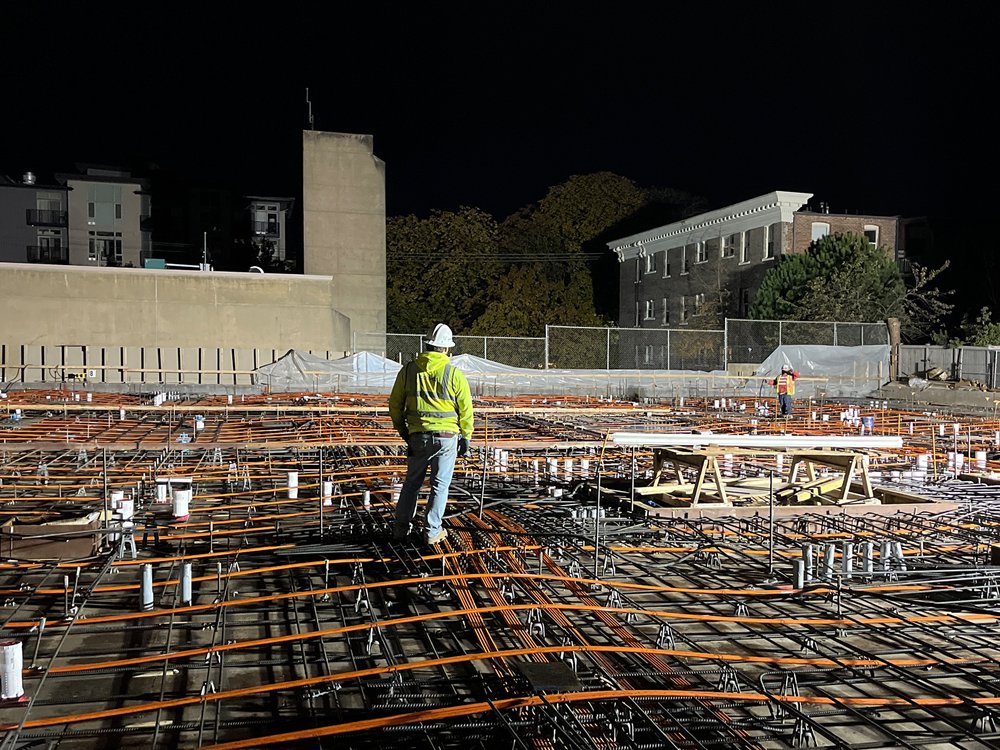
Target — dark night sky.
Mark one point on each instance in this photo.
(869, 106)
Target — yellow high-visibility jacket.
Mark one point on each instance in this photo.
(431, 395)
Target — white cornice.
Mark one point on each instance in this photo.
(778, 206)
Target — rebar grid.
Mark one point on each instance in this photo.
(654, 630)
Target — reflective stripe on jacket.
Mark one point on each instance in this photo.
(431, 395)
(785, 383)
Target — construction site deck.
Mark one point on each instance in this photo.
(219, 572)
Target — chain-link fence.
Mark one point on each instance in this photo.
(571, 347)
(515, 351)
(751, 341)
(746, 342)
(508, 350)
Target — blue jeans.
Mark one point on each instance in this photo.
(785, 402)
(437, 453)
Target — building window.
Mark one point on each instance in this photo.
(769, 240)
(730, 244)
(701, 254)
(666, 264)
(699, 303)
(651, 263)
(648, 354)
(871, 234)
(684, 309)
(666, 312)
(105, 248)
(265, 221)
(649, 309)
(637, 313)
(104, 205)
(820, 229)
(744, 302)
(745, 247)
(684, 260)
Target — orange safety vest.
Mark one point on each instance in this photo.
(786, 383)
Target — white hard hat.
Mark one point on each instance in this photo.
(440, 336)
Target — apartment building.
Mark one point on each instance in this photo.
(33, 220)
(269, 222)
(710, 266)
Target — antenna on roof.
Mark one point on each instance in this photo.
(310, 106)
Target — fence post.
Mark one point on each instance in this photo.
(779, 333)
(725, 344)
(545, 364)
(668, 348)
(484, 348)
(607, 355)
(835, 333)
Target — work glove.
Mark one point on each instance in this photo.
(463, 446)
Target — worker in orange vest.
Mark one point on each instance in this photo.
(785, 383)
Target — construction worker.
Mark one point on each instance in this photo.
(431, 409)
(785, 384)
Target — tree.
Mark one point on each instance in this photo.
(476, 274)
(983, 331)
(842, 277)
(525, 299)
(440, 269)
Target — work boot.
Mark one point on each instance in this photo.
(399, 533)
(439, 537)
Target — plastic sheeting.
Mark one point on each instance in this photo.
(839, 371)
(834, 371)
(301, 371)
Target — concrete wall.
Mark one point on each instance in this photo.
(343, 214)
(113, 308)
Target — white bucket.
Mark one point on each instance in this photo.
(293, 485)
(327, 493)
(162, 486)
(182, 504)
(980, 459)
(127, 508)
(199, 423)
(11, 664)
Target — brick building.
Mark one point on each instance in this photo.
(694, 272)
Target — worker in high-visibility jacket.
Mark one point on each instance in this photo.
(431, 409)
(785, 385)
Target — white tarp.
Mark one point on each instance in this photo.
(827, 370)
(301, 371)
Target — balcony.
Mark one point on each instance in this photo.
(269, 228)
(48, 254)
(38, 217)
